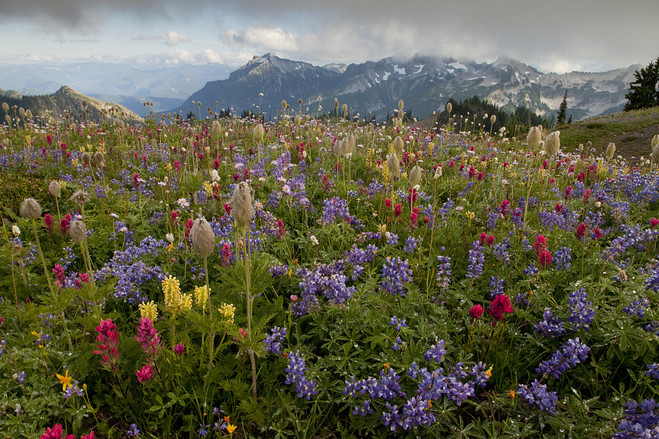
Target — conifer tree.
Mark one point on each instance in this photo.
(644, 91)
(562, 111)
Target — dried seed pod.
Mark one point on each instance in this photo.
(217, 128)
(202, 237)
(553, 143)
(86, 158)
(55, 189)
(399, 144)
(77, 231)
(30, 209)
(415, 176)
(98, 159)
(534, 137)
(610, 150)
(80, 197)
(393, 164)
(259, 133)
(241, 204)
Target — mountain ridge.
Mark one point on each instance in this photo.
(373, 88)
(64, 101)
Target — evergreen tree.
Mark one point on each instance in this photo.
(644, 91)
(562, 111)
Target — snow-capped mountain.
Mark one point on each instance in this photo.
(374, 88)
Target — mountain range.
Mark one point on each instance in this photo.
(373, 88)
(129, 83)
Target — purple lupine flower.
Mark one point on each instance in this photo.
(476, 260)
(395, 274)
(443, 276)
(537, 394)
(274, 339)
(411, 244)
(496, 286)
(637, 307)
(480, 373)
(398, 324)
(582, 310)
(364, 409)
(501, 251)
(641, 420)
(653, 371)
(563, 258)
(296, 374)
(550, 326)
(278, 270)
(436, 352)
(572, 353)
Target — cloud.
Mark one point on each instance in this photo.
(261, 38)
(206, 56)
(583, 33)
(170, 38)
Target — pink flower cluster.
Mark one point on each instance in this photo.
(500, 306)
(149, 338)
(108, 339)
(56, 433)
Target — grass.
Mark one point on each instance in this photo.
(631, 131)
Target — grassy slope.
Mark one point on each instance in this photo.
(631, 132)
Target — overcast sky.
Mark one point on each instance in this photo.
(551, 35)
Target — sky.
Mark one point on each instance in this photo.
(551, 35)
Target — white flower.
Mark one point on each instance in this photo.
(169, 237)
(598, 204)
(314, 240)
(215, 176)
(183, 203)
(15, 230)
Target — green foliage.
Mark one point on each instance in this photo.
(644, 90)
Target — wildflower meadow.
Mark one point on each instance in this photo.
(320, 278)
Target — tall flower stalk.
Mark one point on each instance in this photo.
(242, 213)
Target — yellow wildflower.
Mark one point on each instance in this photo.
(230, 428)
(227, 310)
(168, 167)
(208, 188)
(171, 288)
(511, 394)
(201, 296)
(148, 310)
(65, 380)
(185, 302)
